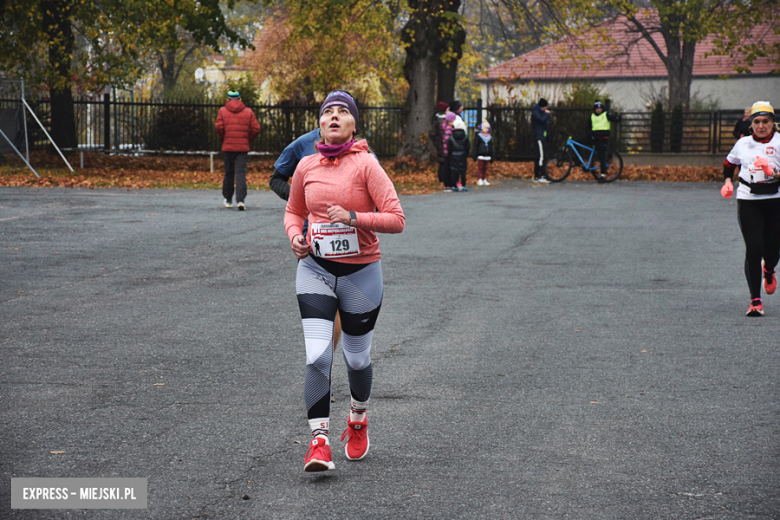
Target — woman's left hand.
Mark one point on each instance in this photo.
(338, 215)
(762, 163)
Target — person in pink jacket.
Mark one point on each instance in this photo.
(348, 198)
(236, 126)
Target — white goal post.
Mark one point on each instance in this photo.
(12, 111)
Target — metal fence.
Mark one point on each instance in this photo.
(126, 125)
(699, 132)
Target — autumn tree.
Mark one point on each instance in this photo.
(67, 44)
(311, 47)
(674, 29)
(433, 39)
(205, 27)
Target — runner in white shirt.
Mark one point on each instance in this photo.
(758, 200)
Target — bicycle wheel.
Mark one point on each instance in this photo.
(614, 167)
(558, 168)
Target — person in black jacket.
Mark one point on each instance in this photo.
(540, 116)
(483, 153)
(743, 126)
(458, 148)
(600, 129)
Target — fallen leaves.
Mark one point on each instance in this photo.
(193, 172)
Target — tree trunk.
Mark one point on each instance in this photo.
(63, 118)
(168, 73)
(680, 70)
(419, 108)
(679, 55)
(60, 43)
(679, 67)
(447, 72)
(421, 36)
(446, 79)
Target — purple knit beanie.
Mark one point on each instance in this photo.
(451, 116)
(342, 99)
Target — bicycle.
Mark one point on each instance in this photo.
(558, 168)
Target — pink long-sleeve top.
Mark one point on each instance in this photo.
(356, 182)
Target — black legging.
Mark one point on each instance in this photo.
(759, 221)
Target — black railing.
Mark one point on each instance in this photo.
(702, 132)
(188, 126)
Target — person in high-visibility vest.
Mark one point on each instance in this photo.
(600, 128)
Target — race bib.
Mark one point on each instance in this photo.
(334, 240)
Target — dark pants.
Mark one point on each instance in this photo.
(601, 144)
(444, 172)
(235, 167)
(759, 221)
(540, 168)
(458, 171)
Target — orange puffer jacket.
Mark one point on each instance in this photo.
(236, 126)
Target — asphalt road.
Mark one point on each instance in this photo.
(573, 351)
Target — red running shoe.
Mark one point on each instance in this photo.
(319, 457)
(770, 281)
(357, 444)
(756, 308)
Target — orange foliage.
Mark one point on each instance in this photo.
(113, 171)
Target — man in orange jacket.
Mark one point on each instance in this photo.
(236, 127)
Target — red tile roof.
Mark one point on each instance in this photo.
(592, 56)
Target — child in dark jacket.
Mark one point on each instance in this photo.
(483, 153)
(441, 142)
(458, 151)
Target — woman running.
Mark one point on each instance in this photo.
(758, 200)
(348, 198)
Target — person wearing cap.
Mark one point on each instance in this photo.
(483, 153)
(457, 108)
(284, 168)
(441, 111)
(758, 200)
(540, 116)
(600, 129)
(288, 160)
(236, 127)
(348, 198)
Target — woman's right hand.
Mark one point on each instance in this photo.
(728, 189)
(299, 247)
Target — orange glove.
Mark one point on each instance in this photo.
(727, 190)
(762, 163)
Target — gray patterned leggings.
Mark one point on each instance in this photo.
(356, 291)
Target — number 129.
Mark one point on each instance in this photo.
(339, 245)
